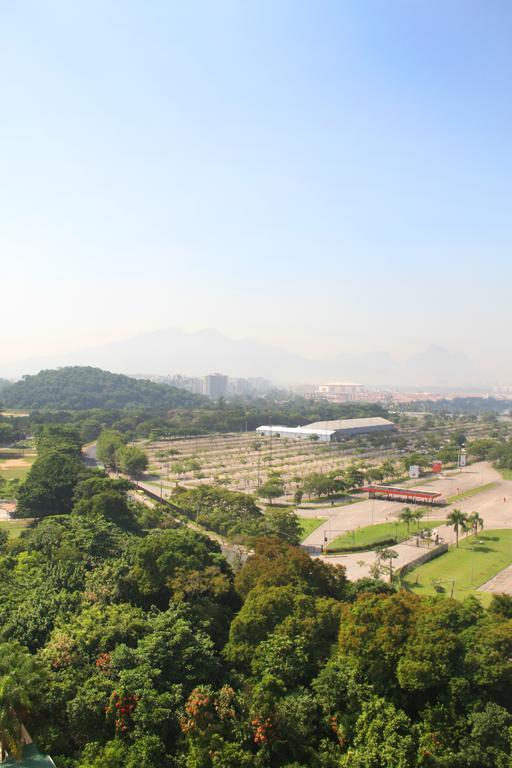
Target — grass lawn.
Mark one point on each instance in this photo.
(310, 524)
(13, 528)
(373, 534)
(342, 501)
(17, 472)
(506, 474)
(476, 561)
(470, 493)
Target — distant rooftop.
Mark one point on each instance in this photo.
(340, 384)
(375, 421)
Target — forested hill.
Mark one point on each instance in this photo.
(78, 387)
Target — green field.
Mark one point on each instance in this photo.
(15, 473)
(310, 524)
(506, 474)
(13, 528)
(470, 493)
(476, 561)
(374, 534)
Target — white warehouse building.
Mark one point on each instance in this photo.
(330, 431)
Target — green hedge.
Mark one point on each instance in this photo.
(363, 548)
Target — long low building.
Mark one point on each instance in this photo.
(330, 431)
(406, 495)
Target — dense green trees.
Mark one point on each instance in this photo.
(21, 688)
(236, 515)
(78, 388)
(11, 430)
(132, 460)
(108, 445)
(128, 641)
(49, 486)
(114, 454)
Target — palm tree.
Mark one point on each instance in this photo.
(417, 515)
(476, 522)
(20, 686)
(457, 520)
(406, 516)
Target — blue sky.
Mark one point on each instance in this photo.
(327, 176)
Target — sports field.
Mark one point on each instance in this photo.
(461, 571)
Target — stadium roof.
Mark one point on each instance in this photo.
(376, 421)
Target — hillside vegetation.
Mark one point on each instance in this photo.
(127, 640)
(80, 387)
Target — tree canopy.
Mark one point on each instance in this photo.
(79, 387)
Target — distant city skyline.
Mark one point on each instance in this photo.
(326, 178)
(174, 351)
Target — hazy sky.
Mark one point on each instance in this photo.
(323, 175)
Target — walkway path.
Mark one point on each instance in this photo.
(494, 506)
(502, 582)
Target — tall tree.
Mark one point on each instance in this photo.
(50, 484)
(476, 522)
(107, 448)
(457, 520)
(406, 516)
(132, 460)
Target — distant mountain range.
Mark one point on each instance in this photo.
(175, 351)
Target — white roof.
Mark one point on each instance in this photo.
(329, 427)
(375, 421)
(301, 430)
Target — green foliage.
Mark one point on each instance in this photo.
(126, 643)
(77, 388)
(21, 688)
(50, 484)
(283, 524)
(132, 460)
(108, 445)
(382, 738)
(218, 509)
(61, 437)
(10, 431)
(272, 488)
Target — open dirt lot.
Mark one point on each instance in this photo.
(242, 461)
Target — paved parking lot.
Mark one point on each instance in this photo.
(494, 506)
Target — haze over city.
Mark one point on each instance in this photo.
(255, 384)
(326, 179)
